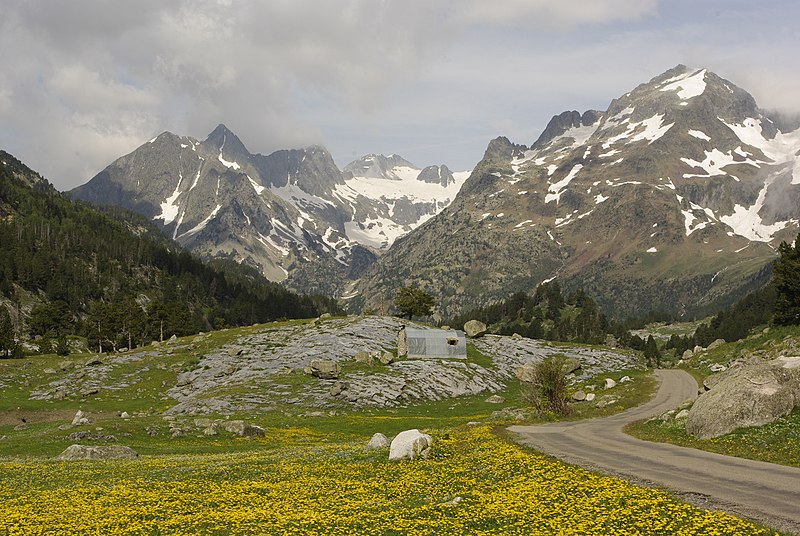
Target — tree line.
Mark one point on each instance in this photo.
(545, 314)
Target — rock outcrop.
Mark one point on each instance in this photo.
(751, 395)
(85, 452)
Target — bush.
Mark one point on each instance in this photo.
(548, 389)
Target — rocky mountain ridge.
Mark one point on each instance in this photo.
(674, 198)
(292, 214)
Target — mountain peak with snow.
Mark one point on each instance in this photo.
(672, 198)
(293, 213)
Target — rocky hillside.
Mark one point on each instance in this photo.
(270, 367)
(674, 198)
(291, 214)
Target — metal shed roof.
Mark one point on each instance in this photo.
(436, 343)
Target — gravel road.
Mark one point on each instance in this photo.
(761, 491)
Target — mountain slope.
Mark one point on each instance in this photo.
(673, 198)
(68, 269)
(291, 214)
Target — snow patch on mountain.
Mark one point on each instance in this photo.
(746, 221)
(202, 225)
(654, 128)
(688, 85)
(556, 189)
(699, 135)
(783, 148)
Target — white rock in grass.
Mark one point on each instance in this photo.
(609, 383)
(378, 441)
(409, 445)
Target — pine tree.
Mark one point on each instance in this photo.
(786, 278)
(652, 355)
(6, 332)
(411, 302)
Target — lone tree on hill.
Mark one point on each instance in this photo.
(412, 301)
(786, 278)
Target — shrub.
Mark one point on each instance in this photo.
(547, 391)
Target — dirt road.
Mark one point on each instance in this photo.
(765, 492)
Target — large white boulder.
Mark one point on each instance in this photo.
(409, 445)
(474, 329)
(751, 395)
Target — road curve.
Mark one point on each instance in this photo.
(766, 492)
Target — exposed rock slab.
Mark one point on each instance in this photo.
(85, 452)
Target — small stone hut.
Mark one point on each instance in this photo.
(436, 343)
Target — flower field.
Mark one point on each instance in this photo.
(476, 483)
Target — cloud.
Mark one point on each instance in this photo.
(548, 13)
(86, 81)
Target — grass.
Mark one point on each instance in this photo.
(778, 442)
(257, 485)
(299, 481)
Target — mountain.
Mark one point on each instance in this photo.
(112, 277)
(674, 199)
(291, 214)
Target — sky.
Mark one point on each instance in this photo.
(83, 82)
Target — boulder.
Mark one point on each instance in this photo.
(625, 379)
(325, 369)
(717, 367)
(682, 414)
(243, 429)
(609, 384)
(571, 364)
(526, 373)
(337, 388)
(604, 401)
(475, 329)
(579, 396)
(211, 430)
(125, 415)
(85, 452)
(716, 344)
(751, 395)
(81, 419)
(386, 358)
(516, 336)
(402, 342)
(495, 399)
(364, 357)
(378, 441)
(409, 445)
(687, 355)
(590, 397)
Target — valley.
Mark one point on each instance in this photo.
(185, 310)
(174, 403)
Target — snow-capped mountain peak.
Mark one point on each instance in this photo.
(290, 212)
